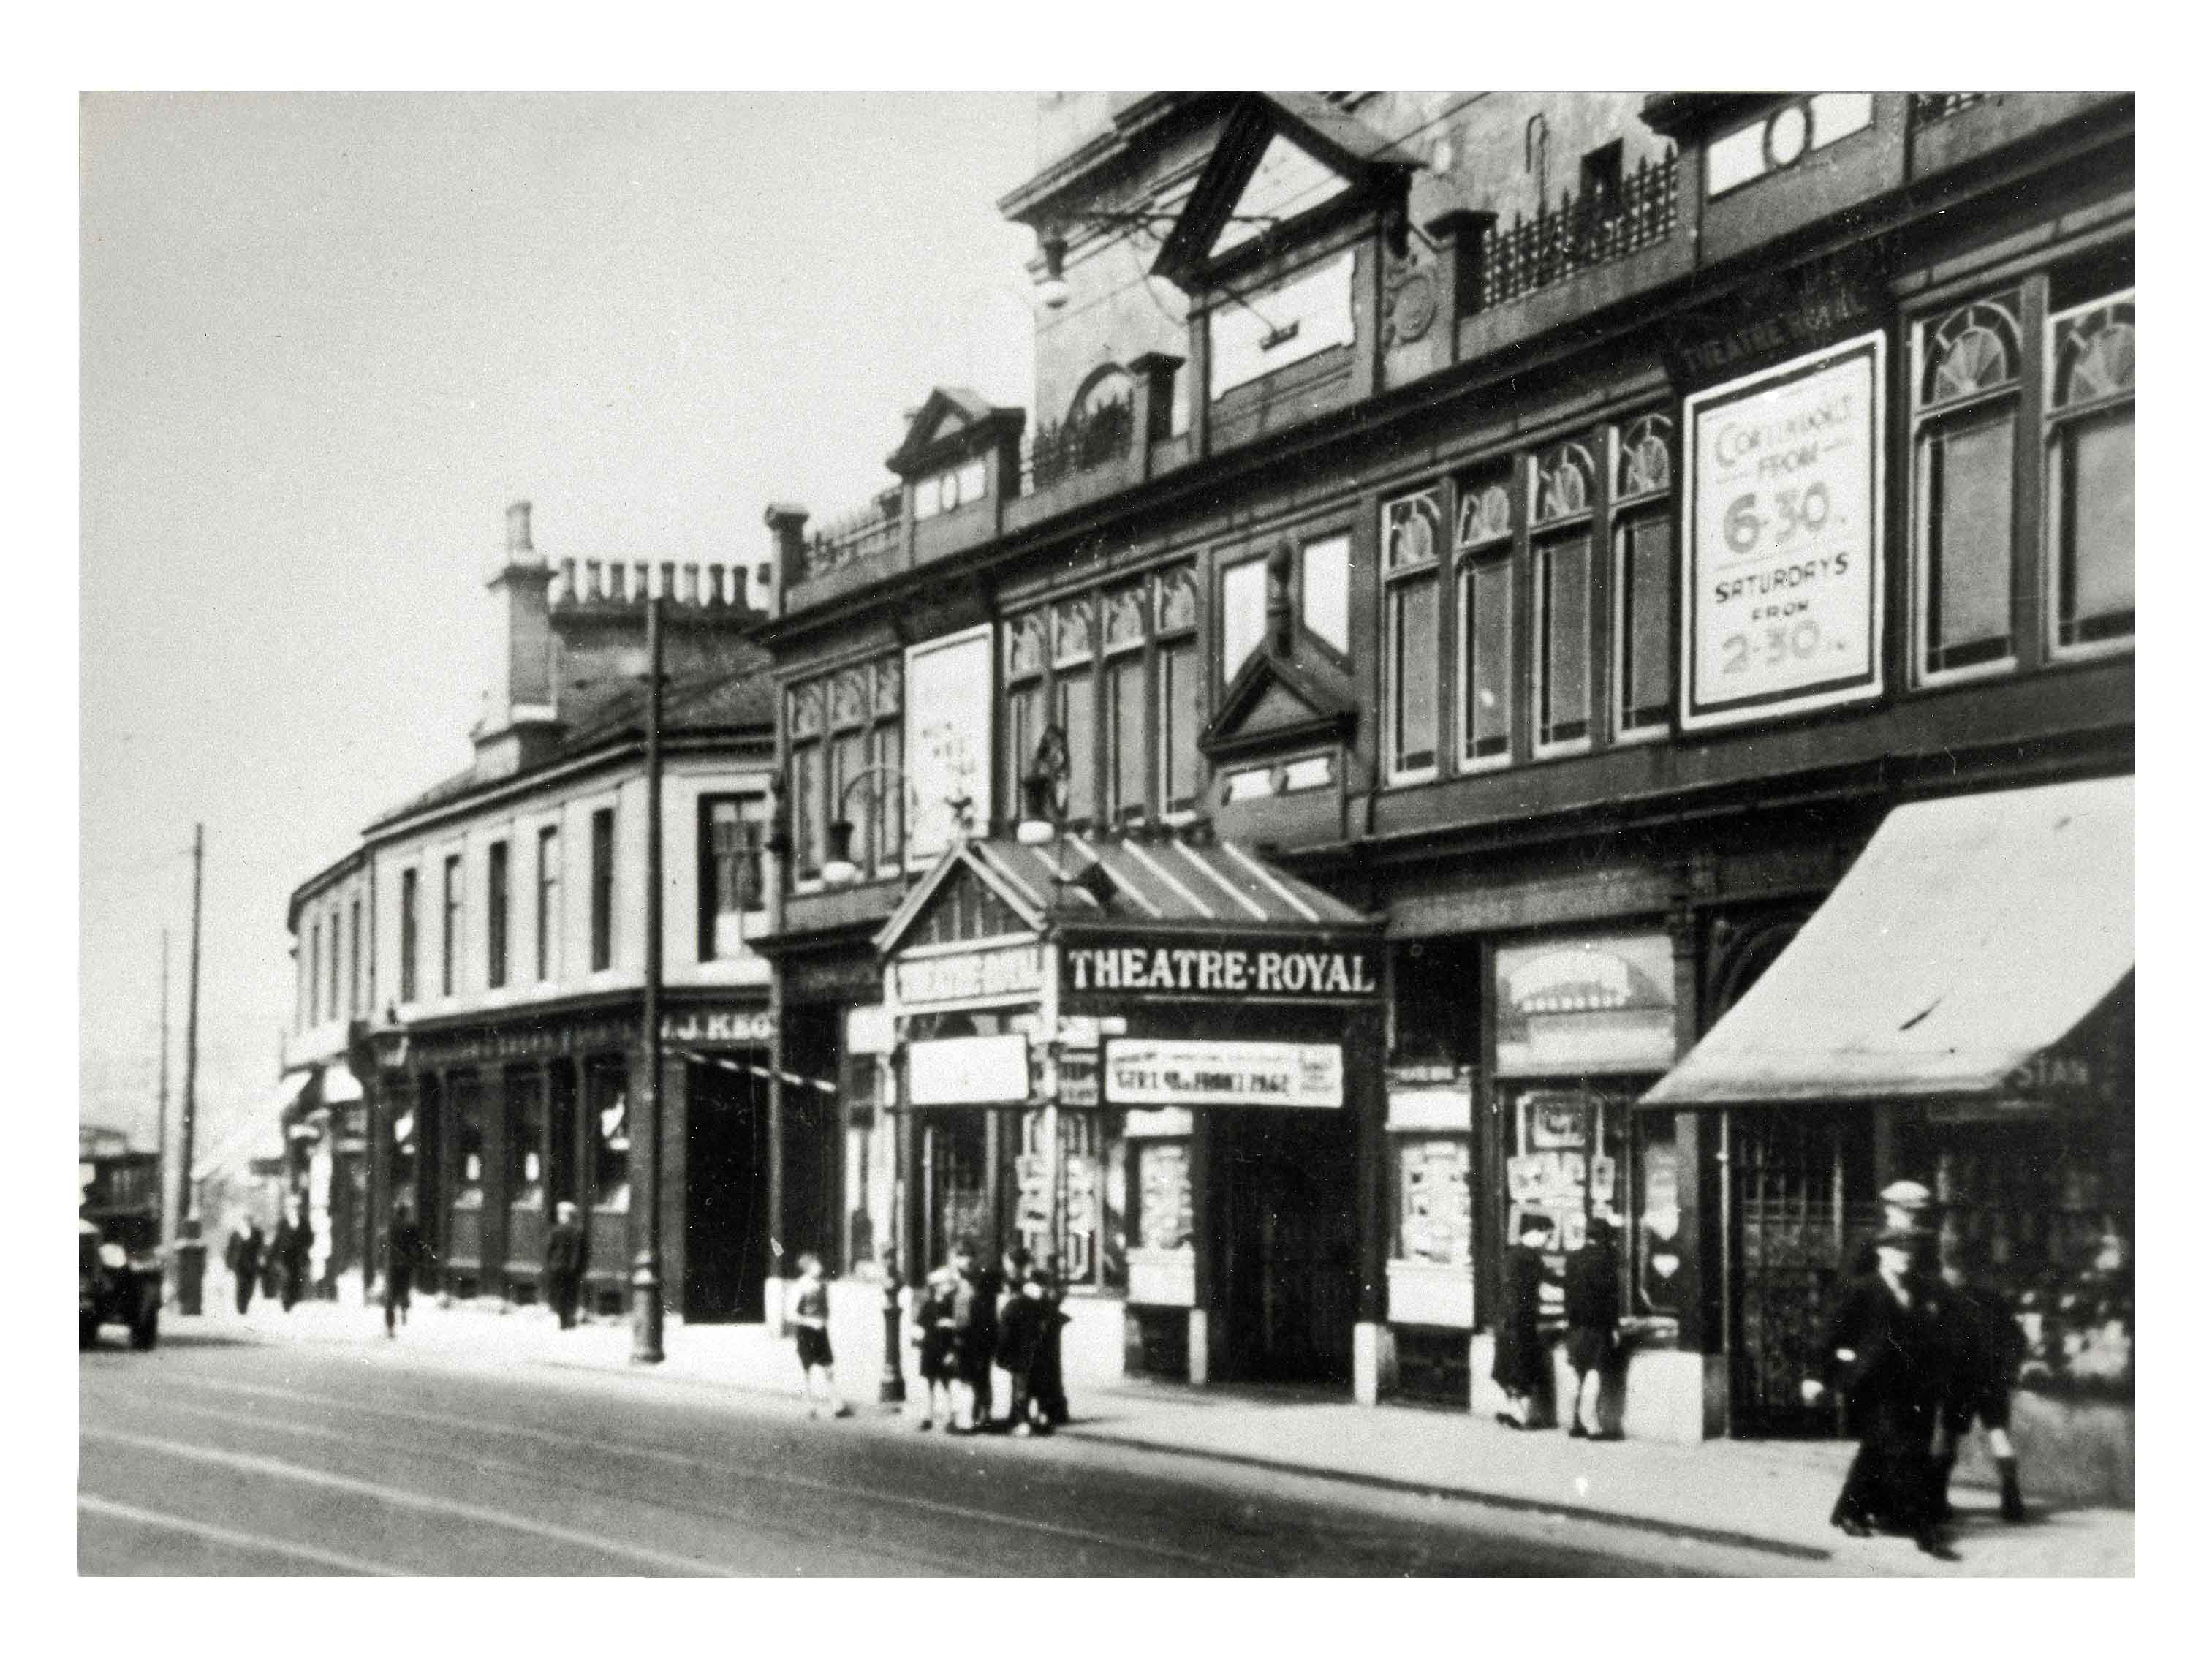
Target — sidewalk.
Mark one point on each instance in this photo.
(1771, 1497)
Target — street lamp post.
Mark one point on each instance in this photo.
(645, 1276)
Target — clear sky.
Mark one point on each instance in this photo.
(327, 339)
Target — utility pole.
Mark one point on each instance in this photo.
(186, 1213)
(645, 1278)
(161, 1099)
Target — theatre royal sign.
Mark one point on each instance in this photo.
(1248, 971)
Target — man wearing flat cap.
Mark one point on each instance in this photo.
(1885, 1352)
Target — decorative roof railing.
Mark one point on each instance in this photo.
(865, 533)
(1592, 230)
(1939, 107)
(1090, 437)
(583, 582)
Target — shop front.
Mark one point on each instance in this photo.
(1156, 1064)
(1960, 1011)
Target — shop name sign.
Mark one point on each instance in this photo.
(971, 976)
(1776, 316)
(1280, 1074)
(1784, 529)
(1148, 970)
(741, 1027)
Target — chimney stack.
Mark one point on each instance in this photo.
(519, 549)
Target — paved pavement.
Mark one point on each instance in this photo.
(1723, 1506)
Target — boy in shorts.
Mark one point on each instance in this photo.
(810, 1322)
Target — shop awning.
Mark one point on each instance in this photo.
(1972, 934)
(284, 1099)
(340, 1086)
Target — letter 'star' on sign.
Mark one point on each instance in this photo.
(1249, 972)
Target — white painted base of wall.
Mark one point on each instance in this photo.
(1374, 1362)
(772, 1290)
(1200, 1367)
(1661, 1397)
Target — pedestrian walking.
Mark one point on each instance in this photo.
(564, 1263)
(243, 1255)
(1523, 1363)
(974, 1339)
(1047, 1382)
(1021, 1335)
(405, 1255)
(1593, 1313)
(932, 1329)
(810, 1322)
(1885, 1353)
(294, 1246)
(1987, 1348)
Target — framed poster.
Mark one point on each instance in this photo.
(948, 753)
(1781, 527)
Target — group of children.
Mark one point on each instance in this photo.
(962, 1331)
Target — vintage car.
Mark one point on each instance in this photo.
(118, 1260)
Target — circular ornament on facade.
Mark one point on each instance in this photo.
(1786, 134)
(1413, 308)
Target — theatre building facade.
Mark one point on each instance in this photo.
(1632, 595)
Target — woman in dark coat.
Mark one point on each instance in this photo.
(938, 1347)
(1593, 1324)
(1522, 1362)
(405, 1255)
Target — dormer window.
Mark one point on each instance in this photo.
(1248, 337)
(941, 494)
(1783, 137)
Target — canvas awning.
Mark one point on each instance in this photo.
(284, 1099)
(340, 1086)
(1972, 934)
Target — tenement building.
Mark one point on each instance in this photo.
(472, 976)
(1539, 658)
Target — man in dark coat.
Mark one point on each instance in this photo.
(1593, 1292)
(1885, 1352)
(1987, 1350)
(1047, 1382)
(1522, 1362)
(975, 1334)
(564, 1263)
(243, 1255)
(1022, 1324)
(405, 1255)
(294, 1246)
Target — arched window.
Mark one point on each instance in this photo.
(1963, 457)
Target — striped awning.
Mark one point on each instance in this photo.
(1162, 881)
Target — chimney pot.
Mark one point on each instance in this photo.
(518, 530)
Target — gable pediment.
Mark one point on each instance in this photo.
(1283, 699)
(952, 423)
(1287, 180)
(959, 901)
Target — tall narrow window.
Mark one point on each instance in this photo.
(1074, 655)
(2089, 450)
(331, 1002)
(449, 952)
(548, 904)
(409, 931)
(1243, 614)
(1325, 590)
(1128, 760)
(1643, 579)
(887, 750)
(602, 889)
(1025, 702)
(1559, 519)
(496, 899)
(315, 972)
(1413, 544)
(849, 702)
(1483, 536)
(1964, 404)
(808, 819)
(729, 873)
(1180, 701)
(353, 959)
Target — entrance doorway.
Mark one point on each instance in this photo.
(725, 1254)
(1803, 1200)
(956, 1185)
(1282, 1192)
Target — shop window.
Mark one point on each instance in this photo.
(2090, 462)
(602, 889)
(1575, 1155)
(609, 1140)
(1434, 1216)
(731, 827)
(1966, 399)
(1643, 579)
(409, 931)
(468, 1150)
(450, 941)
(495, 916)
(548, 903)
(1164, 1207)
(1413, 544)
(1562, 501)
(525, 1141)
(1483, 540)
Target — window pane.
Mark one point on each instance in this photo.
(805, 806)
(1658, 1217)
(1414, 674)
(1326, 591)
(1024, 724)
(525, 1140)
(1243, 614)
(408, 933)
(1486, 640)
(495, 918)
(1075, 722)
(1182, 716)
(603, 890)
(1968, 509)
(1562, 638)
(1125, 774)
(848, 763)
(549, 902)
(891, 804)
(2097, 528)
(1647, 560)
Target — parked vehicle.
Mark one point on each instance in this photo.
(118, 1246)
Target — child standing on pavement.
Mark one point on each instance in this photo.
(809, 1319)
(933, 1335)
(1021, 1330)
